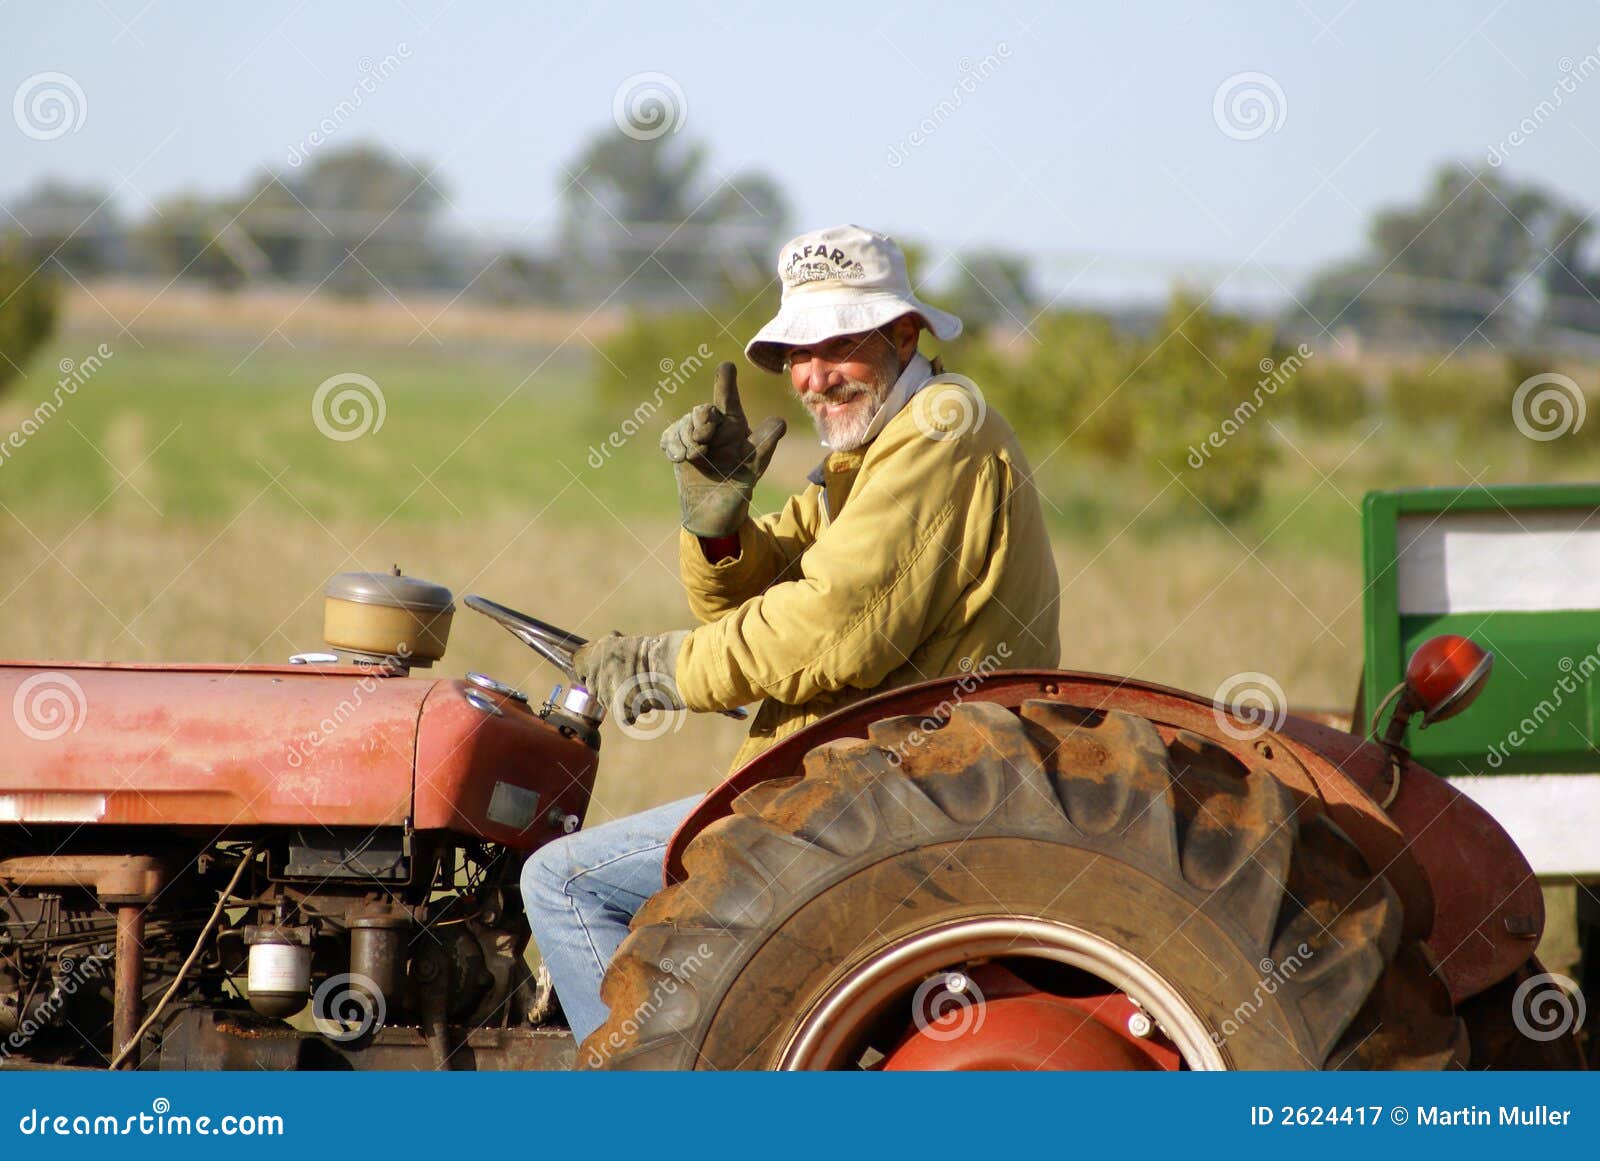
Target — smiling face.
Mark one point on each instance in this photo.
(844, 381)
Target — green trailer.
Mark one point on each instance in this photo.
(1515, 568)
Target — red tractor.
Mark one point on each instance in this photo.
(315, 865)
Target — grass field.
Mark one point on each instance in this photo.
(184, 504)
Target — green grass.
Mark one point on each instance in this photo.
(204, 432)
(204, 437)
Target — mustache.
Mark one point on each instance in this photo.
(844, 393)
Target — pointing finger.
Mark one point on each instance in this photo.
(725, 390)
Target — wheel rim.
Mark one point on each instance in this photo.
(827, 1031)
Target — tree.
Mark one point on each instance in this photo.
(993, 288)
(356, 221)
(651, 220)
(73, 226)
(1479, 254)
(179, 241)
(370, 218)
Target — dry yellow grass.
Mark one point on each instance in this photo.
(294, 314)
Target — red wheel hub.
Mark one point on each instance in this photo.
(1009, 1026)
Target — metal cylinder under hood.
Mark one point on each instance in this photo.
(278, 976)
(378, 953)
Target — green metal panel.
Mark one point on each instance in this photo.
(1541, 708)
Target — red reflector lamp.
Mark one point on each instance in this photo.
(1445, 676)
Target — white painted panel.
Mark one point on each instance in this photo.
(47, 807)
(1554, 818)
(1483, 562)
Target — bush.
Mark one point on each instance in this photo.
(1470, 397)
(1201, 387)
(1324, 395)
(663, 362)
(1183, 399)
(28, 309)
(1061, 386)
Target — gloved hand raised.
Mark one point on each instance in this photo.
(717, 458)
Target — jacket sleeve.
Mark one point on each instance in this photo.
(870, 590)
(769, 549)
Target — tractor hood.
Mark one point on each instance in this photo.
(206, 744)
(336, 745)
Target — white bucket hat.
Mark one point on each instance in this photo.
(840, 281)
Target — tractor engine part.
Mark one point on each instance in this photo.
(279, 975)
(125, 884)
(387, 617)
(378, 953)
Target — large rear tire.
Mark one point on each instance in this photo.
(1230, 908)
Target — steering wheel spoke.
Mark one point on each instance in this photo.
(556, 646)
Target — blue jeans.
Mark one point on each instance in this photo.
(581, 891)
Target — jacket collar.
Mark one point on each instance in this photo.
(913, 379)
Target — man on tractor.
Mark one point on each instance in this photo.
(917, 550)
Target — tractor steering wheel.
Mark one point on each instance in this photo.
(556, 646)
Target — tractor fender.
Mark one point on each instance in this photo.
(1465, 886)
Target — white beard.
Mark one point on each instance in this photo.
(848, 431)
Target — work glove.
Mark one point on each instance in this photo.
(718, 459)
(632, 675)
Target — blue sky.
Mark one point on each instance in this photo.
(1092, 132)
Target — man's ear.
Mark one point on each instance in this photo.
(906, 329)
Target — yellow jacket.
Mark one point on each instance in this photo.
(922, 555)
